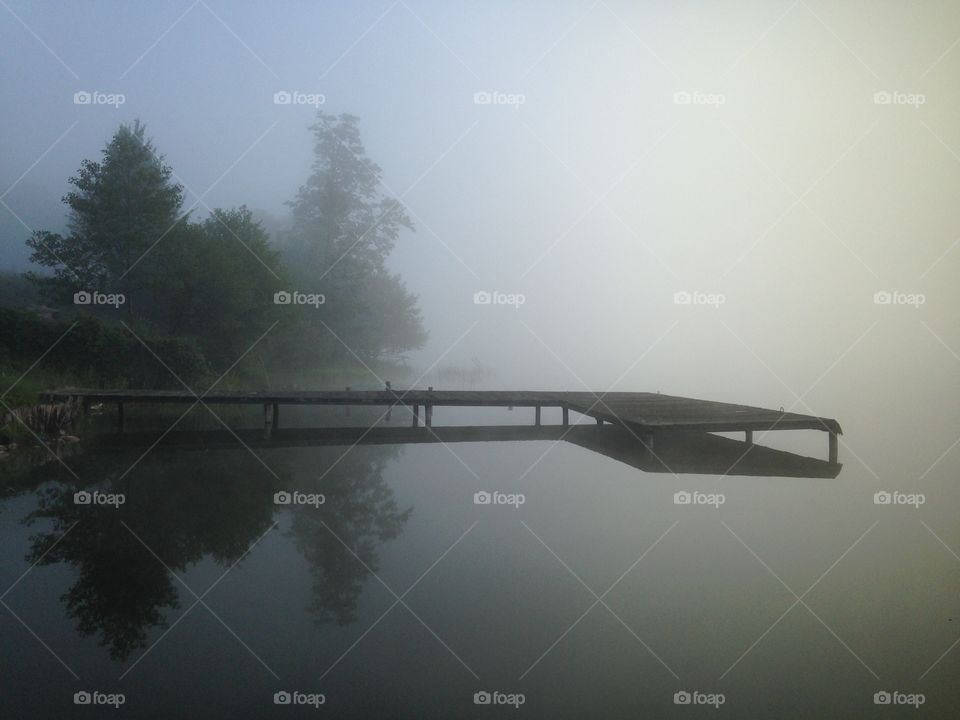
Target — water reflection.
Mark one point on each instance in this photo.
(676, 452)
(181, 507)
(173, 511)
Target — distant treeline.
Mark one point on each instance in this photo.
(200, 294)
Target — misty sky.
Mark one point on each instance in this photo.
(659, 147)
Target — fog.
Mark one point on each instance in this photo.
(597, 198)
(751, 202)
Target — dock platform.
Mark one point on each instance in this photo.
(646, 414)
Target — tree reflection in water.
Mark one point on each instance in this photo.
(182, 508)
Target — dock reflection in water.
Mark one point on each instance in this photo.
(195, 505)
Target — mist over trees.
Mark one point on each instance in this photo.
(215, 282)
(342, 232)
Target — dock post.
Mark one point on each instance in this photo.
(599, 421)
(347, 407)
(276, 415)
(416, 415)
(120, 416)
(566, 416)
(268, 418)
(428, 411)
(536, 416)
(389, 407)
(748, 437)
(833, 447)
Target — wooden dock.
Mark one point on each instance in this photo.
(647, 414)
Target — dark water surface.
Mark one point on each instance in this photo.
(399, 596)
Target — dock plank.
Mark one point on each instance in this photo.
(646, 411)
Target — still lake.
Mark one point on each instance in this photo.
(386, 587)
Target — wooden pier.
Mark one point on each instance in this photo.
(649, 415)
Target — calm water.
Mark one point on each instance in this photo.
(399, 596)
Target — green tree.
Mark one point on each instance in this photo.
(218, 283)
(120, 207)
(343, 231)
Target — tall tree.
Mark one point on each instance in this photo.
(120, 207)
(343, 231)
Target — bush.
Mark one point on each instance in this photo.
(107, 354)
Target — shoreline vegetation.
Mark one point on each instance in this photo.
(137, 293)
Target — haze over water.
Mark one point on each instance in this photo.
(752, 204)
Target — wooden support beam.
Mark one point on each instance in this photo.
(347, 407)
(120, 416)
(428, 415)
(599, 421)
(748, 437)
(536, 416)
(276, 415)
(566, 416)
(833, 447)
(416, 415)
